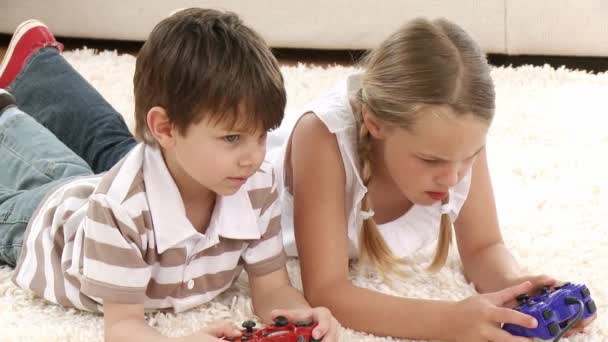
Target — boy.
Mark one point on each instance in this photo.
(171, 225)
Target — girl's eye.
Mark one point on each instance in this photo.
(430, 161)
(231, 138)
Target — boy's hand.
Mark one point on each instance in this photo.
(327, 326)
(221, 329)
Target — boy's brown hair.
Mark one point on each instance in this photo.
(206, 64)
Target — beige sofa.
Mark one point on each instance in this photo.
(548, 27)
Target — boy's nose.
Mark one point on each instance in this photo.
(253, 157)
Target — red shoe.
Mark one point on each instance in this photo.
(6, 100)
(29, 37)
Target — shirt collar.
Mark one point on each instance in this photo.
(233, 216)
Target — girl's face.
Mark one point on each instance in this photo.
(427, 159)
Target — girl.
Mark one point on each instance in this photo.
(381, 166)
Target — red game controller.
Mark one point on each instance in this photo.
(280, 331)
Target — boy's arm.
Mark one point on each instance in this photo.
(125, 322)
(274, 291)
(273, 296)
(264, 260)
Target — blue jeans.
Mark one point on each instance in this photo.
(77, 133)
(34, 162)
(54, 94)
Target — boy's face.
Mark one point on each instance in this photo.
(216, 157)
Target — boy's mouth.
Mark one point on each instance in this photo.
(240, 180)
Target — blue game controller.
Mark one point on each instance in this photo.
(556, 311)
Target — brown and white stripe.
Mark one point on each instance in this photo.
(94, 240)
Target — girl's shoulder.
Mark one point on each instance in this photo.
(334, 108)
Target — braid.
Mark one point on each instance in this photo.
(364, 148)
(373, 247)
(443, 243)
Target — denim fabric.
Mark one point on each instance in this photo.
(33, 162)
(51, 91)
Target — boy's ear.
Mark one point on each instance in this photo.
(160, 126)
(375, 127)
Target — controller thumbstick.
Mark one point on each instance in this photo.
(281, 321)
(304, 323)
(249, 325)
(523, 298)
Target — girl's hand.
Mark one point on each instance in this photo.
(538, 282)
(327, 326)
(580, 326)
(543, 280)
(479, 318)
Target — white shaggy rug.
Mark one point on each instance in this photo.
(547, 152)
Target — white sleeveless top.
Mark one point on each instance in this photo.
(415, 229)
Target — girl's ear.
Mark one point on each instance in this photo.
(374, 126)
(160, 126)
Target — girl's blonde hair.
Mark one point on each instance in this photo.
(424, 64)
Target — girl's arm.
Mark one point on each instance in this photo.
(322, 241)
(486, 260)
(318, 184)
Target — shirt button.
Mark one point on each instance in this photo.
(190, 284)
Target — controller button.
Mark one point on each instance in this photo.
(249, 325)
(585, 293)
(553, 328)
(547, 314)
(281, 321)
(304, 323)
(591, 307)
(544, 289)
(245, 338)
(301, 339)
(523, 298)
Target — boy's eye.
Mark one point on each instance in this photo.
(231, 138)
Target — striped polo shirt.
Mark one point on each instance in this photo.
(124, 237)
